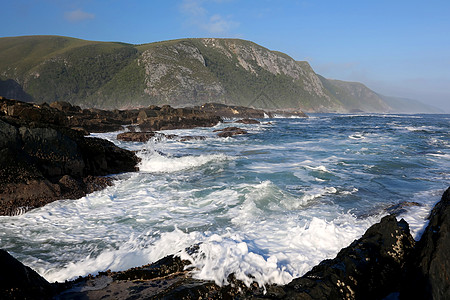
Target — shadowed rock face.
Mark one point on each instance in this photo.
(41, 161)
(428, 274)
(21, 282)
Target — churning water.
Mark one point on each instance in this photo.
(267, 206)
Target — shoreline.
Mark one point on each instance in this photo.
(385, 261)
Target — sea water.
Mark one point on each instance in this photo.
(266, 206)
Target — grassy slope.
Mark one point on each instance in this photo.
(109, 74)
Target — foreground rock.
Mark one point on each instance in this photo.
(428, 275)
(20, 282)
(41, 162)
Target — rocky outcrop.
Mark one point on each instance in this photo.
(42, 161)
(428, 275)
(66, 115)
(370, 268)
(164, 118)
(248, 121)
(232, 111)
(230, 131)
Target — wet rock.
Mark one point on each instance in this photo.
(135, 136)
(21, 282)
(230, 131)
(370, 268)
(428, 274)
(167, 118)
(248, 121)
(43, 162)
(232, 111)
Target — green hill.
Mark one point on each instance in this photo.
(179, 72)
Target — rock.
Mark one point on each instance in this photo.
(248, 121)
(370, 268)
(428, 274)
(43, 162)
(230, 131)
(135, 136)
(233, 111)
(21, 282)
(167, 118)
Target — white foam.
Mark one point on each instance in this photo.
(154, 162)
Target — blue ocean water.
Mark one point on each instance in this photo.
(266, 206)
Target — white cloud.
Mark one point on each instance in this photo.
(78, 15)
(200, 18)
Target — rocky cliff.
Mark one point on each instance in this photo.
(180, 73)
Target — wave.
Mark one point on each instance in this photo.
(155, 162)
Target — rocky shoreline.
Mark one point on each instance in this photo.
(45, 155)
(385, 263)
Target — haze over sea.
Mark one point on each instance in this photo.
(268, 205)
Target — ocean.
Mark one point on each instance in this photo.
(266, 206)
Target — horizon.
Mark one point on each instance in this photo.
(396, 49)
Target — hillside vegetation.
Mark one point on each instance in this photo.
(183, 72)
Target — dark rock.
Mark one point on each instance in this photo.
(428, 274)
(232, 111)
(163, 267)
(248, 121)
(370, 268)
(21, 282)
(135, 136)
(230, 131)
(168, 118)
(43, 162)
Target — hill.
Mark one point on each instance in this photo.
(183, 72)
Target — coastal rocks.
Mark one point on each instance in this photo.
(21, 282)
(232, 111)
(166, 118)
(248, 121)
(428, 275)
(230, 131)
(43, 162)
(136, 136)
(370, 268)
(67, 115)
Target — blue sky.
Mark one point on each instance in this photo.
(397, 48)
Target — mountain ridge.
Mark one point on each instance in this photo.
(182, 72)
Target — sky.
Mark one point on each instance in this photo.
(397, 48)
